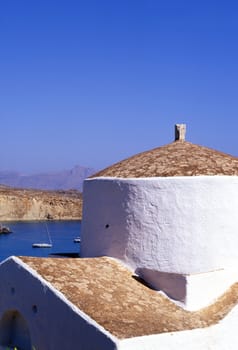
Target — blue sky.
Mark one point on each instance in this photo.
(93, 82)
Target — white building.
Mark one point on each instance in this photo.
(164, 219)
(170, 214)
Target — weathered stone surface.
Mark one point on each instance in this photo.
(118, 301)
(22, 204)
(180, 158)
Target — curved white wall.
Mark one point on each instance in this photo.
(175, 224)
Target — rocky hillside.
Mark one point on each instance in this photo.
(25, 204)
(66, 179)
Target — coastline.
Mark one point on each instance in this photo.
(38, 205)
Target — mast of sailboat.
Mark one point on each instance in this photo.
(48, 233)
(44, 245)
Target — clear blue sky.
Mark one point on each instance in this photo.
(93, 82)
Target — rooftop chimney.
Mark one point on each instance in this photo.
(180, 131)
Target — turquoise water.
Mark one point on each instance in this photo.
(19, 242)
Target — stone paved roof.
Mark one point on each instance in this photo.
(179, 158)
(109, 294)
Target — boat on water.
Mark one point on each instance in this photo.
(44, 244)
(4, 229)
(41, 245)
(77, 240)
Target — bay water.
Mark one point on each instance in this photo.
(24, 234)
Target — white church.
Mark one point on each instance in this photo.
(158, 267)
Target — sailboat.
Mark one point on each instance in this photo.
(44, 244)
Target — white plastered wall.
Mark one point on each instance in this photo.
(178, 225)
(192, 292)
(53, 322)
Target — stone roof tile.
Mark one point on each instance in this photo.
(179, 158)
(109, 293)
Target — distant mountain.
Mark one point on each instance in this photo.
(63, 180)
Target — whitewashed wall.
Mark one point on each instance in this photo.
(175, 224)
(194, 291)
(53, 322)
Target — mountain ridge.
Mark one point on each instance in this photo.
(61, 180)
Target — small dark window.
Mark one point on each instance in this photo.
(34, 309)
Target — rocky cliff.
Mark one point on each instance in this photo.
(24, 204)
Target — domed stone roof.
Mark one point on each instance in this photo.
(179, 158)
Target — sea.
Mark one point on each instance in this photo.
(24, 234)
